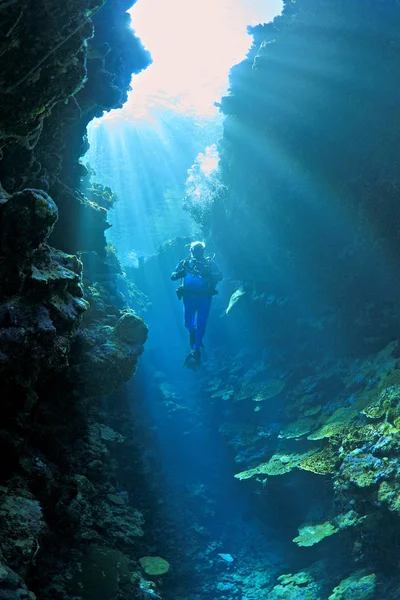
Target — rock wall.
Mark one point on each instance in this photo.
(67, 337)
(309, 163)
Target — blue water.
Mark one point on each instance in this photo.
(198, 509)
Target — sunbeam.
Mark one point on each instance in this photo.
(193, 47)
(144, 151)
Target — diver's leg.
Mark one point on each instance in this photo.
(192, 337)
(203, 310)
(189, 306)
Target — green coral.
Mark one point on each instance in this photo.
(358, 586)
(321, 463)
(300, 586)
(260, 391)
(298, 428)
(336, 424)
(309, 535)
(268, 390)
(313, 534)
(279, 464)
(260, 470)
(154, 565)
(300, 579)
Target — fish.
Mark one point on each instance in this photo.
(226, 557)
(149, 593)
(234, 298)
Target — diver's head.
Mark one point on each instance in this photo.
(197, 249)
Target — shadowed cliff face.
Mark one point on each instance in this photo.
(309, 162)
(66, 334)
(72, 63)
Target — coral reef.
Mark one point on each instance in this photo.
(300, 586)
(154, 565)
(312, 534)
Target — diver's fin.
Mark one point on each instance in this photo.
(193, 360)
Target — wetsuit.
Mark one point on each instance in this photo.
(199, 279)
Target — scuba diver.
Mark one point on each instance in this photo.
(200, 275)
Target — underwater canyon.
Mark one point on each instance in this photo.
(272, 472)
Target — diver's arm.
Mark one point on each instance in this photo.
(179, 272)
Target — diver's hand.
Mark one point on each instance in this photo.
(178, 275)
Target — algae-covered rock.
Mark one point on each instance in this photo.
(56, 272)
(389, 494)
(154, 565)
(108, 434)
(101, 438)
(375, 410)
(12, 586)
(387, 404)
(21, 526)
(101, 366)
(131, 329)
(364, 469)
(101, 574)
(27, 221)
(106, 356)
(358, 586)
(122, 523)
